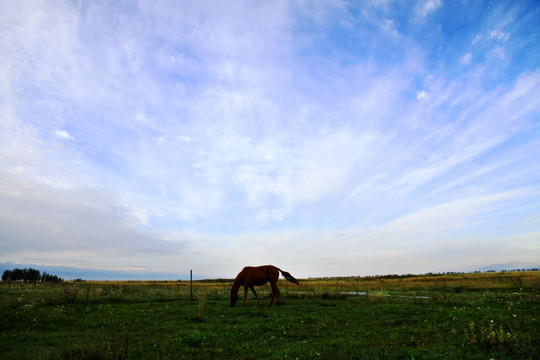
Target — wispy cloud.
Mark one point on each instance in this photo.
(425, 7)
(332, 136)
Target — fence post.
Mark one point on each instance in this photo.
(517, 287)
(191, 283)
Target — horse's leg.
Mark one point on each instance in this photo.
(273, 294)
(245, 295)
(275, 291)
(255, 293)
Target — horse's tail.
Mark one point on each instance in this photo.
(289, 277)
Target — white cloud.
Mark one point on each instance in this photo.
(309, 170)
(63, 134)
(185, 138)
(466, 59)
(498, 35)
(424, 8)
(389, 27)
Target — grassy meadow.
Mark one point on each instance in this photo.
(473, 316)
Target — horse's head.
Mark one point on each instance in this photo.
(234, 298)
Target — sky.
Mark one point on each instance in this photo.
(329, 138)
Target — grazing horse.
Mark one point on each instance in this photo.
(255, 276)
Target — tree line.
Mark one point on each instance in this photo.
(30, 275)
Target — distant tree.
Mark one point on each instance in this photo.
(50, 278)
(17, 274)
(6, 276)
(30, 275)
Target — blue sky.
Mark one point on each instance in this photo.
(327, 138)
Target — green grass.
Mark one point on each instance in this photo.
(160, 321)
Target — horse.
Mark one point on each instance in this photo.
(252, 276)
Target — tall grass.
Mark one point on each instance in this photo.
(91, 292)
(448, 282)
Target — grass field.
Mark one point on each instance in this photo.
(473, 316)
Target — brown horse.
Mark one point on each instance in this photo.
(250, 277)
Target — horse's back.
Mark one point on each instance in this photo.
(260, 275)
